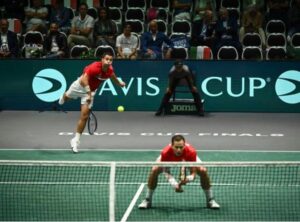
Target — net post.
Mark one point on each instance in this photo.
(112, 191)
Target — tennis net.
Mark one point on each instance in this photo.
(111, 191)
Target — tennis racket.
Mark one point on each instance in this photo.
(92, 123)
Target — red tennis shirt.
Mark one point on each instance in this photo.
(189, 154)
(96, 74)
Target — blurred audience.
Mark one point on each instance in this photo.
(105, 30)
(259, 4)
(55, 43)
(294, 19)
(152, 41)
(252, 21)
(277, 9)
(200, 8)
(15, 9)
(182, 9)
(127, 44)
(81, 28)
(204, 30)
(227, 32)
(36, 17)
(9, 47)
(61, 15)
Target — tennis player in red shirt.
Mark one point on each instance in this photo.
(179, 151)
(85, 87)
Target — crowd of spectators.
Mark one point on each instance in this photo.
(182, 24)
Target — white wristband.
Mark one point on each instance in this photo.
(173, 182)
(87, 88)
(190, 178)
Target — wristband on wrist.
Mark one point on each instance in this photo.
(173, 182)
(190, 178)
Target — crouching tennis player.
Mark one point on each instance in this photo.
(85, 87)
(178, 151)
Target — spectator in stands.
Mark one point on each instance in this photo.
(201, 6)
(105, 30)
(9, 47)
(127, 44)
(36, 17)
(81, 28)
(15, 9)
(226, 32)
(252, 21)
(182, 9)
(204, 30)
(152, 41)
(294, 19)
(259, 4)
(55, 43)
(61, 15)
(277, 9)
(177, 73)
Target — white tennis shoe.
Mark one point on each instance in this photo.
(61, 100)
(145, 204)
(74, 145)
(212, 204)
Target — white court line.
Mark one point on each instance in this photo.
(149, 150)
(133, 202)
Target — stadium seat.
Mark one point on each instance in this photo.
(137, 4)
(115, 14)
(137, 26)
(276, 39)
(134, 14)
(104, 48)
(252, 53)
(33, 37)
(113, 4)
(275, 26)
(93, 12)
(227, 53)
(165, 4)
(179, 53)
(276, 53)
(295, 40)
(78, 50)
(252, 39)
(181, 26)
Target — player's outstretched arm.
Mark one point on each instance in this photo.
(117, 81)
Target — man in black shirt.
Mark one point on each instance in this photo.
(178, 72)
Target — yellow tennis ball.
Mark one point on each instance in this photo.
(120, 108)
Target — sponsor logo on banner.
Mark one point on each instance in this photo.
(287, 87)
(48, 85)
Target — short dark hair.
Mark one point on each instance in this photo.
(177, 138)
(83, 3)
(105, 54)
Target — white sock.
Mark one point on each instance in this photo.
(208, 194)
(149, 194)
(77, 136)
